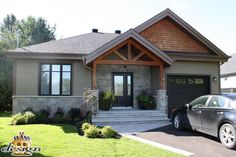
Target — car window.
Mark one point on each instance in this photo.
(199, 102)
(218, 102)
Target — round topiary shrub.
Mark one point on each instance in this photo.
(92, 132)
(27, 117)
(86, 126)
(108, 132)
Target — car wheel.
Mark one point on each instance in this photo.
(227, 135)
(177, 122)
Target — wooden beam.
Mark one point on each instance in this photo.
(161, 76)
(94, 75)
(112, 50)
(150, 63)
(145, 51)
(120, 55)
(129, 51)
(138, 56)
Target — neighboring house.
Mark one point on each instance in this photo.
(228, 75)
(164, 55)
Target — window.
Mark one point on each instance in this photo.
(200, 102)
(55, 79)
(218, 102)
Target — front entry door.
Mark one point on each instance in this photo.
(123, 89)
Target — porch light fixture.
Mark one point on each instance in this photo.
(214, 79)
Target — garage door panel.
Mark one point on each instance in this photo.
(183, 89)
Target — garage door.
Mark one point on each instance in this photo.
(183, 89)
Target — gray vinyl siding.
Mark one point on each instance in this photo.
(27, 76)
(197, 68)
(27, 73)
(81, 78)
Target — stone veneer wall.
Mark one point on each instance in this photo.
(20, 103)
(141, 77)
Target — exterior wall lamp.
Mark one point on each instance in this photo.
(214, 79)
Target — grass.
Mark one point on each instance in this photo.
(63, 141)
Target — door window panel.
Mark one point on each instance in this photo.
(129, 85)
(118, 85)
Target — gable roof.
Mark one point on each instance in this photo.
(229, 68)
(128, 34)
(81, 44)
(168, 13)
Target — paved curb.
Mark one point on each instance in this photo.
(158, 145)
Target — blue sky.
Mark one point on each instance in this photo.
(215, 19)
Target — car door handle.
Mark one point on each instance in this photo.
(199, 112)
(220, 113)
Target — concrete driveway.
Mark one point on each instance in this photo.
(200, 144)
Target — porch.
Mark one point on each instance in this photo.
(128, 69)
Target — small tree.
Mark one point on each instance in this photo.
(89, 102)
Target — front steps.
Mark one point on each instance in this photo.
(129, 116)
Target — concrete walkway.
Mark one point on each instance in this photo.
(129, 128)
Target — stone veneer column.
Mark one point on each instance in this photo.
(96, 93)
(161, 100)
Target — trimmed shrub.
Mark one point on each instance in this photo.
(30, 117)
(86, 126)
(25, 118)
(92, 132)
(18, 119)
(108, 132)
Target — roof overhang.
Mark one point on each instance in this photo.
(38, 55)
(123, 37)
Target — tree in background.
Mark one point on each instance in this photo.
(19, 33)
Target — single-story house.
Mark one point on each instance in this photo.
(163, 55)
(228, 75)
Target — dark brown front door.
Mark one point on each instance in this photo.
(123, 89)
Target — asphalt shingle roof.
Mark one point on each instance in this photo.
(229, 67)
(81, 44)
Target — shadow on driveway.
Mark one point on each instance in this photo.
(200, 144)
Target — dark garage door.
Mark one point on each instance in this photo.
(183, 89)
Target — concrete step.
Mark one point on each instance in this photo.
(130, 119)
(129, 116)
(130, 123)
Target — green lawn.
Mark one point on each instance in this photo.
(63, 141)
